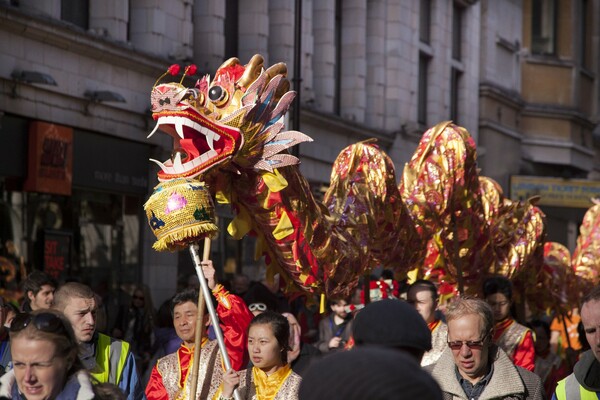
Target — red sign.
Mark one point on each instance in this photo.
(57, 253)
(50, 162)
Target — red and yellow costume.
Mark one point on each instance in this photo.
(439, 337)
(517, 341)
(281, 385)
(170, 377)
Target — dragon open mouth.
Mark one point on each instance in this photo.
(198, 143)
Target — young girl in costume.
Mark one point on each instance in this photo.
(271, 377)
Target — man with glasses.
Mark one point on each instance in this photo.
(515, 339)
(107, 359)
(472, 366)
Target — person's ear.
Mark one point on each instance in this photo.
(30, 295)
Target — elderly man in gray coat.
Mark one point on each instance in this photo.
(472, 367)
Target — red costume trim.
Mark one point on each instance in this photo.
(433, 325)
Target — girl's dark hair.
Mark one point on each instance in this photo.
(497, 284)
(280, 326)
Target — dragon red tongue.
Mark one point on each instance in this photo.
(188, 146)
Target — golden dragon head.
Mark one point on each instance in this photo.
(232, 121)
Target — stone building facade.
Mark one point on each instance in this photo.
(384, 69)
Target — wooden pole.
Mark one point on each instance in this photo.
(199, 328)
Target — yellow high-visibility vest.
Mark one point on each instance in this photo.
(111, 355)
(570, 389)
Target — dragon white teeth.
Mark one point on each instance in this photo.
(161, 165)
(177, 165)
(210, 141)
(179, 128)
(180, 122)
(153, 130)
(210, 137)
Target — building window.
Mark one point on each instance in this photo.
(425, 21)
(422, 90)
(455, 75)
(457, 21)
(231, 28)
(76, 12)
(337, 94)
(543, 24)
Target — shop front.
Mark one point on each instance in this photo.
(70, 204)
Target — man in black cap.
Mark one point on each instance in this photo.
(394, 324)
(368, 373)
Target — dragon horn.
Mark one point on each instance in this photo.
(228, 63)
(253, 70)
(275, 70)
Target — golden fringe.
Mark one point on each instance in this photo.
(179, 237)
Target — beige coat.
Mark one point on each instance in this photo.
(507, 382)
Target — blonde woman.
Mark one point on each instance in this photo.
(45, 360)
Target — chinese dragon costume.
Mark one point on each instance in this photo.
(443, 219)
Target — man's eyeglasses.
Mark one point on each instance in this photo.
(45, 321)
(471, 344)
(258, 307)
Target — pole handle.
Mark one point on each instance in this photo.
(211, 311)
(199, 328)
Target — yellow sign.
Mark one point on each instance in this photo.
(555, 191)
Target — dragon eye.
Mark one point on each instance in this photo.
(218, 95)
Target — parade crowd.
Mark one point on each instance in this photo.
(67, 342)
